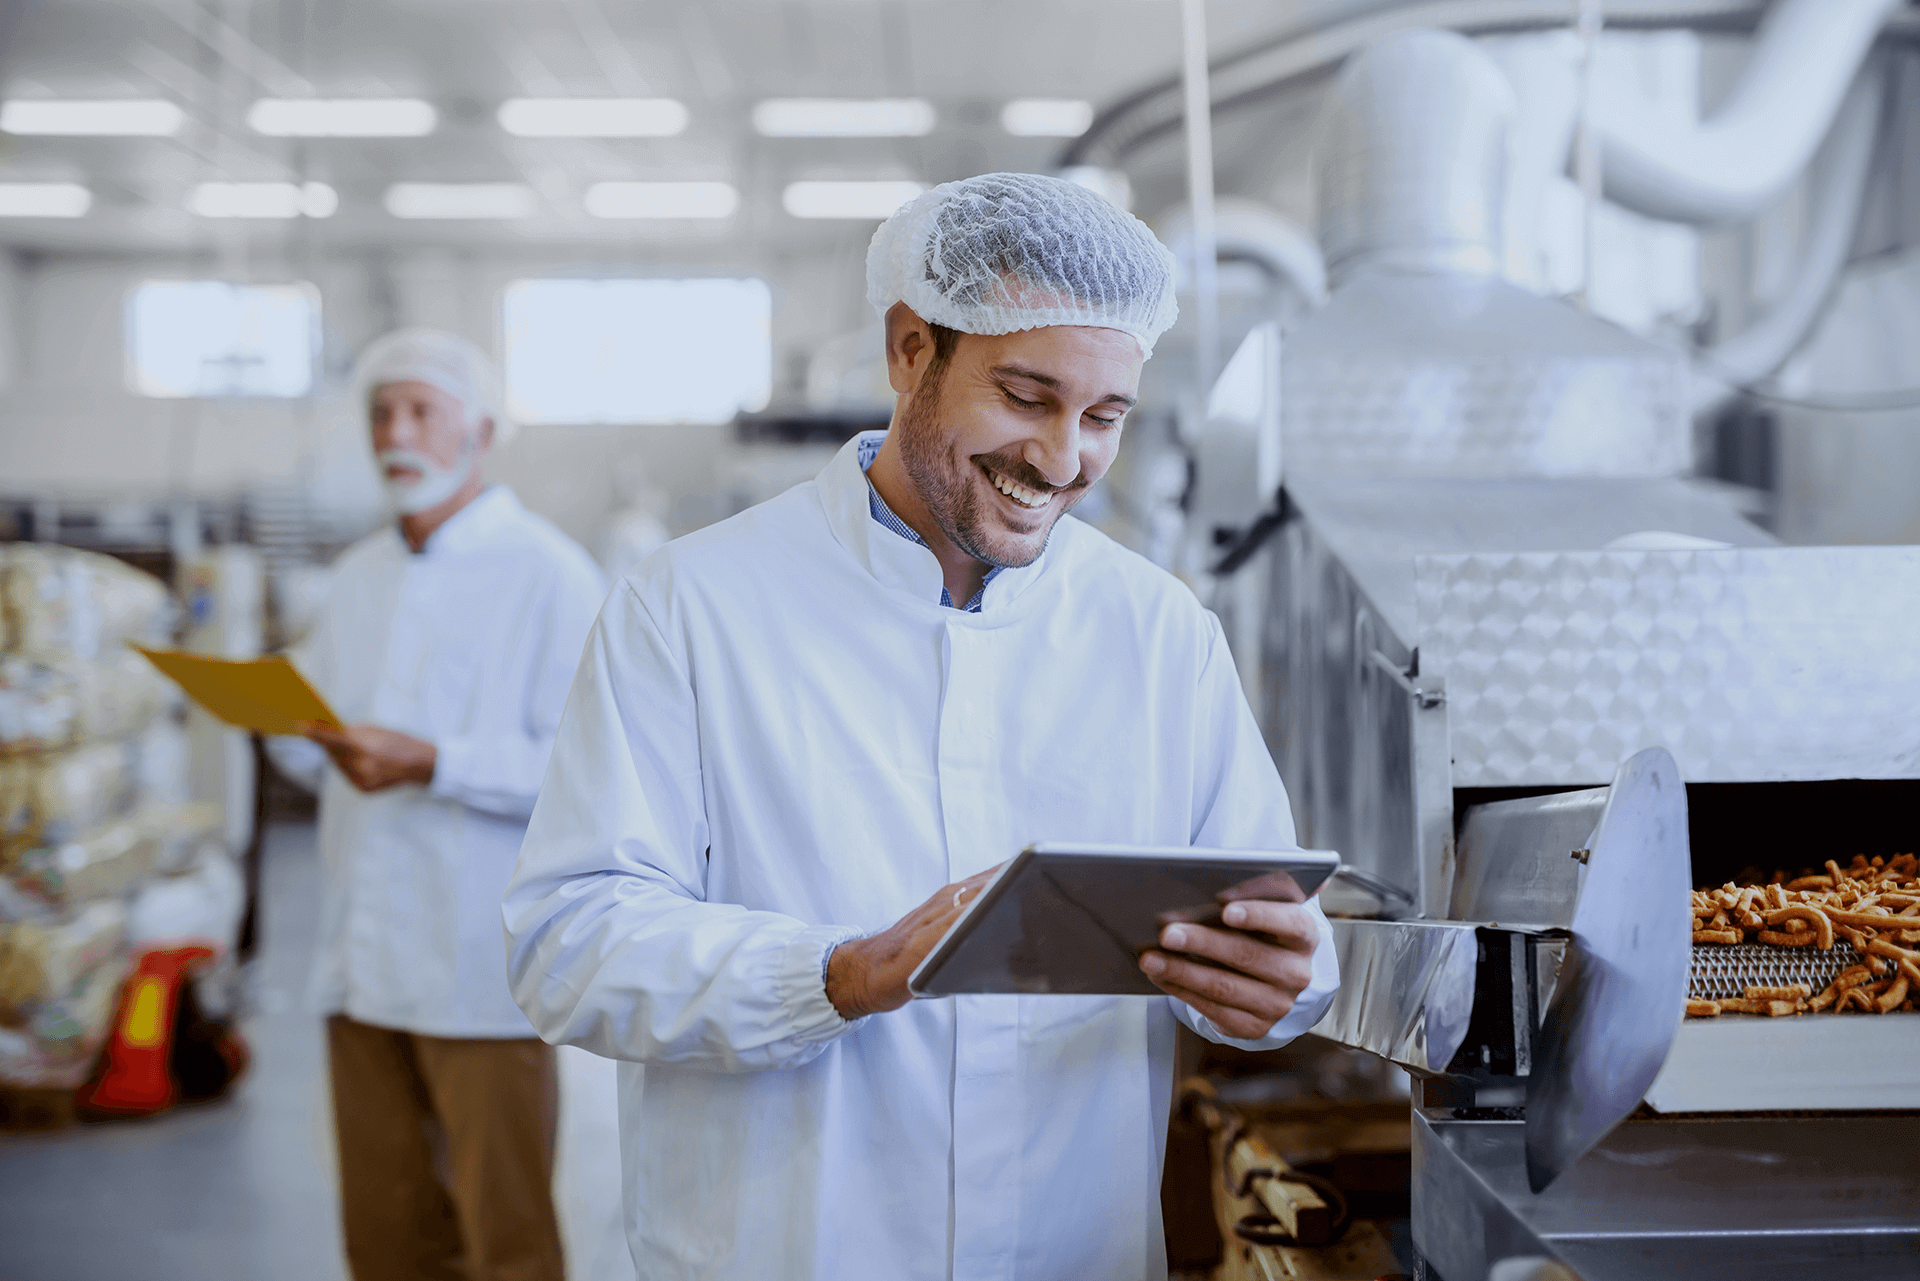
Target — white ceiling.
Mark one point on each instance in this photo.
(215, 57)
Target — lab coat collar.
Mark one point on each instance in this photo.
(897, 563)
(473, 526)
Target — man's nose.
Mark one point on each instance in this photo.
(1055, 453)
(393, 431)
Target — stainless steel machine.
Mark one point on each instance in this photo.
(1539, 710)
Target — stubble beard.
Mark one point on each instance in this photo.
(943, 481)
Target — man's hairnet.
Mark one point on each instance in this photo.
(1010, 251)
(439, 359)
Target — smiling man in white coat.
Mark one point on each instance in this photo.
(800, 738)
(447, 643)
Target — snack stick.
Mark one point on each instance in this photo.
(1779, 939)
(1811, 883)
(1775, 896)
(1852, 976)
(1912, 973)
(1790, 992)
(1717, 936)
(1833, 870)
(1880, 947)
(1702, 1009)
(1896, 992)
(1852, 936)
(1825, 999)
(1859, 920)
(1804, 916)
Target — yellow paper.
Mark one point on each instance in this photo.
(264, 694)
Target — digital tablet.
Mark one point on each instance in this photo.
(1075, 919)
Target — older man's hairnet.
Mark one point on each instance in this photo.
(1009, 251)
(439, 359)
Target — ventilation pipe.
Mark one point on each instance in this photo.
(1424, 362)
(1412, 158)
(1839, 186)
(1732, 165)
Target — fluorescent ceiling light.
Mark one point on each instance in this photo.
(1046, 117)
(592, 117)
(263, 200)
(662, 199)
(843, 117)
(111, 117)
(869, 200)
(459, 200)
(43, 200)
(342, 117)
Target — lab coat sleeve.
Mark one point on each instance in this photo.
(1240, 803)
(611, 945)
(500, 773)
(302, 760)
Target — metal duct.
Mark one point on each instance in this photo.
(1424, 362)
(1731, 166)
(1839, 187)
(1250, 232)
(1411, 157)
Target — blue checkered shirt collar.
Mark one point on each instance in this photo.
(869, 449)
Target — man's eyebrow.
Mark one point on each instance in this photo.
(1049, 381)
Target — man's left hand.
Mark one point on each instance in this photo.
(1268, 951)
(374, 759)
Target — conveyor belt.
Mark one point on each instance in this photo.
(1728, 970)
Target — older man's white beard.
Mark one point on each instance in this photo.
(438, 481)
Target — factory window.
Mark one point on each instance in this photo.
(637, 351)
(212, 338)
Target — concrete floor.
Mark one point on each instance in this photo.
(239, 1188)
(244, 1188)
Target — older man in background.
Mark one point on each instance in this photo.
(447, 646)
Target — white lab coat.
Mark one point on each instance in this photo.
(779, 740)
(470, 644)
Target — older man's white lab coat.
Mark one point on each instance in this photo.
(469, 644)
(779, 740)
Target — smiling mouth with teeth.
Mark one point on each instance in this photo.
(1019, 493)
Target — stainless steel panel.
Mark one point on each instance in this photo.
(1515, 862)
(1340, 725)
(1440, 374)
(1623, 981)
(1406, 990)
(1749, 665)
(1829, 1062)
(1375, 528)
(1358, 720)
(1704, 1199)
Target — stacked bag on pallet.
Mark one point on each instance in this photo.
(97, 833)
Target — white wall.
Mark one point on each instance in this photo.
(69, 427)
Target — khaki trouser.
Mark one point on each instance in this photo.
(446, 1155)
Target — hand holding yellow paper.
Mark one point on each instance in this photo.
(264, 694)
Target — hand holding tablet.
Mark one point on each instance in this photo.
(1104, 920)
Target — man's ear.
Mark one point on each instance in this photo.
(485, 431)
(909, 348)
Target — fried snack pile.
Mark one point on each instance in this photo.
(1874, 905)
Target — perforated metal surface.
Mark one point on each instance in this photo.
(1749, 665)
(1721, 971)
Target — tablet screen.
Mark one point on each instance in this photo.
(1075, 919)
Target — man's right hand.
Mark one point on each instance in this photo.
(869, 975)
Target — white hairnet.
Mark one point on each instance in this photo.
(1010, 251)
(439, 359)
